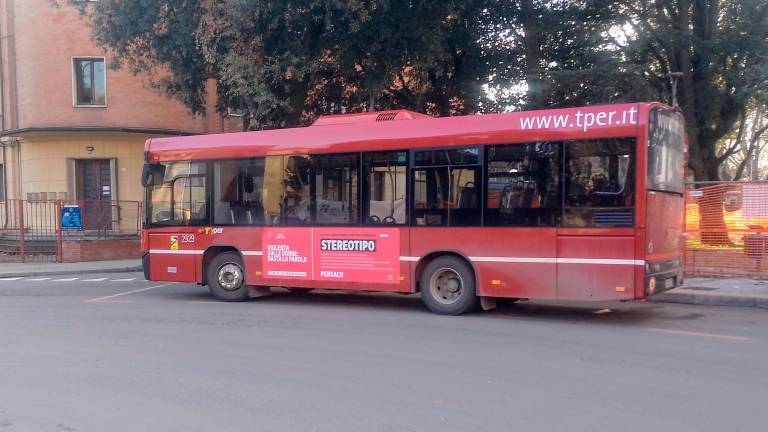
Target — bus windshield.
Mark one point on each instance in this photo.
(665, 151)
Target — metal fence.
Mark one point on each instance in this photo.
(726, 226)
(31, 230)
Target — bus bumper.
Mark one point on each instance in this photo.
(666, 280)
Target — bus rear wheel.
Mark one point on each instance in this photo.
(226, 277)
(448, 286)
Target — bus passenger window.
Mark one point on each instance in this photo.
(237, 192)
(446, 187)
(430, 191)
(296, 190)
(599, 183)
(336, 197)
(523, 184)
(385, 176)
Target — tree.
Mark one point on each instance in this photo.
(721, 49)
(560, 53)
(285, 62)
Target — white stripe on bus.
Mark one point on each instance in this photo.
(177, 251)
(531, 260)
(600, 261)
(514, 259)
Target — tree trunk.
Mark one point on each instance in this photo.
(532, 43)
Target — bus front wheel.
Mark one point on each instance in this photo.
(226, 277)
(448, 286)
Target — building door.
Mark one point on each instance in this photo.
(95, 191)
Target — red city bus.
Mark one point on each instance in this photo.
(566, 204)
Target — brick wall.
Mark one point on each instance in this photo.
(99, 250)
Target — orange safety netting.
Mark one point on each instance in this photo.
(726, 227)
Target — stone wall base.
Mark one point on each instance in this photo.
(99, 250)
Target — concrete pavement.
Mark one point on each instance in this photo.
(50, 268)
(103, 353)
(719, 291)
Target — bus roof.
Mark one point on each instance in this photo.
(401, 129)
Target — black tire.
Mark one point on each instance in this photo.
(227, 262)
(299, 291)
(437, 283)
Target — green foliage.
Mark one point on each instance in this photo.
(284, 62)
(721, 49)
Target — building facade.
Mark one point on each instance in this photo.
(73, 129)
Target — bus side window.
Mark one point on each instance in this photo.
(523, 184)
(385, 188)
(336, 193)
(272, 195)
(447, 187)
(296, 190)
(237, 192)
(599, 183)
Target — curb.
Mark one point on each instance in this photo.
(711, 299)
(71, 272)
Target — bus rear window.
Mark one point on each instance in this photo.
(665, 151)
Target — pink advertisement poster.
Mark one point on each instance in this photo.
(327, 253)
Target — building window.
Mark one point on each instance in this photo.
(90, 82)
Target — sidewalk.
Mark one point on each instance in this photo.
(719, 291)
(44, 269)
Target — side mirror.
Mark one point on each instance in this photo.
(152, 174)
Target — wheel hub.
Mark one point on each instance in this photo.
(446, 286)
(230, 277)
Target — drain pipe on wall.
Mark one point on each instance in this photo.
(5, 188)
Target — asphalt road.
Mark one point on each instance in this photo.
(113, 354)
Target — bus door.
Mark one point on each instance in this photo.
(596, 242)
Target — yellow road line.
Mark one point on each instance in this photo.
(98, 299)
(710, 335)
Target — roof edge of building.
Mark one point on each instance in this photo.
(102, 129)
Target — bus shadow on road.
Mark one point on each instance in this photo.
(609, 313)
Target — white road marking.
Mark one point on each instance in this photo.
(710, 335)
(10, 279)
(95, 280)
(36, 279)
(123, 280)
(65, 280)
(100, 299)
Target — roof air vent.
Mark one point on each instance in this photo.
(387, 116)
(368, 117)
